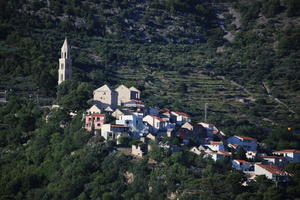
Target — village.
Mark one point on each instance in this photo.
(121, 115)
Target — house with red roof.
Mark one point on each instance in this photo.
(216, 146)
(271, 172)
(290, 155)
(248, 143)
(156, 123)
(94, 121)
(180, 117)
(218, 155)
(279, 161)
(114, 131)
(242, 165)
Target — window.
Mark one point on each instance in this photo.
(62, 66)
(98, 124)
(61, 77)
(65, 55)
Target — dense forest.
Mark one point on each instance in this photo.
(174, 49)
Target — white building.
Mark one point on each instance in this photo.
(93, 109)
(113, 131)
(290, 155)
(271, 172)
(248, 143)
(216, 146)
(242, 165)
(156, 123)
(181, 117)
(135, 123)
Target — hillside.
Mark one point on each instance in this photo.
(182, 46)
(239, 58)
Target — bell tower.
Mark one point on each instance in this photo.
(65, 64)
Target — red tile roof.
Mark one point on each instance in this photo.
(280, 157)
(181, 114)
(97, 115)
(243, 162)
(118, 126)
(288, 151)
(273, 169)
(158, 118)
(215, 143)
(245, 138)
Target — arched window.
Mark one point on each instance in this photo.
(65, 55)
(62, 66)
(61, 77)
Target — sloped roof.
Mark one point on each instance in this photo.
(245, 138)
(243, 162)
(65, 46)
(121, 86)
(273, 169)
(157, 118)
(134, 89)
(181, 114)
(103, 88)
(215, 142)
(288, 151)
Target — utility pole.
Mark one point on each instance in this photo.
(205, 112)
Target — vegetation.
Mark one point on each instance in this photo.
(171, 48)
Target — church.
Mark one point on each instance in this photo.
(65, 63)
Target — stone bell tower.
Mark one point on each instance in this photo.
(65, 64)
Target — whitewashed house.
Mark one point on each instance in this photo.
(279, 161)
(216, 146)
(156, 123)
(94, 109)
(248, 143)
(181, 117)
(290, 155)
(135, 124)
(271, 172)
(218, 155)
(113, 131)
(242, 165)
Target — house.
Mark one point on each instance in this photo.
(279, 161)
(271, 172)
(251, 154)
(119, 112)
(218, 155)
(125, 94)
(156, 123)
(242, 165)
(290, 155)
(196, 150)
(105, 96)
(216, 146)
(138, 150)
(180, 117)
(94, 121)
(212, 131)
(135, 123)
(190, 131)
(248, 143)
(113, 131)
(94, 109)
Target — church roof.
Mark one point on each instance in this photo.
(134, 89)
(121, 86)
(103, 88)
(65, 45)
